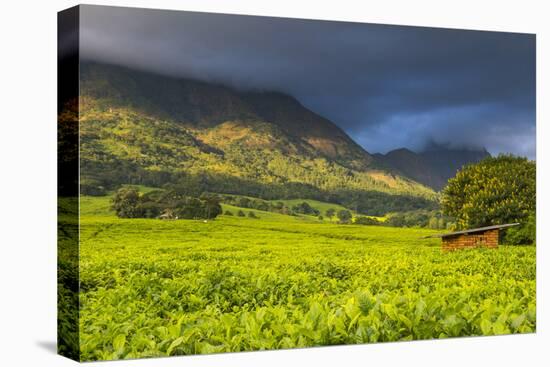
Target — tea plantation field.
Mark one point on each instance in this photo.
(156, 288)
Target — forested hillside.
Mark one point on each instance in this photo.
(144, 128)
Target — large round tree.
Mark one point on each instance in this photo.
(494, 191)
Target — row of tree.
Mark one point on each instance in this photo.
(433, 219)
(169, 204)
(100, 178)
(129, 203)
(497, 190)
(241, 213)
(344, 216)
(269, 206)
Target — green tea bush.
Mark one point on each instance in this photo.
(156, 288)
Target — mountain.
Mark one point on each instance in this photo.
(412, 165)
(432, 166)
(203, 105)
(140, 127)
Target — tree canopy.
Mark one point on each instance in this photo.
(125, 202)
(496, 190)
(129, 203)
(344, 216)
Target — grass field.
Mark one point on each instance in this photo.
(155, 288)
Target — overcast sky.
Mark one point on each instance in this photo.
(386, 86)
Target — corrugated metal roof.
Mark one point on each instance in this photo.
(481, 229)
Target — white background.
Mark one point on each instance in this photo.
(28, 183)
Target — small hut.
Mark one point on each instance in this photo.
(167, 214)
(470, 238)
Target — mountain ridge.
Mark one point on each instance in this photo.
(144, 128)
(433, 165)
(192, 102)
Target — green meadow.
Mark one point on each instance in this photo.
(151, 287)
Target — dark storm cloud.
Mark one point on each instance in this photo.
(387, 86)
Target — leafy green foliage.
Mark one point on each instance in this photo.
(367, 221)
(92, 187)
(525, 234)
(305, 208)
(68, 149)
(344, 216)
(68, 266)
(156, 288)
(168, 204)
(254, 203)
(433, 219)
(125, 203)
(494, 191)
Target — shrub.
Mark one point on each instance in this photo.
(278, 205)
(344, 216)
(227, 212)
(524, 234)
(305, 208)
(91, 187)
(366, 221)
(210, 206)
(125, 203)
(240, 213)
(149, 209)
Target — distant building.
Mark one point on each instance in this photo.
(471, 238)
(167, 214)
